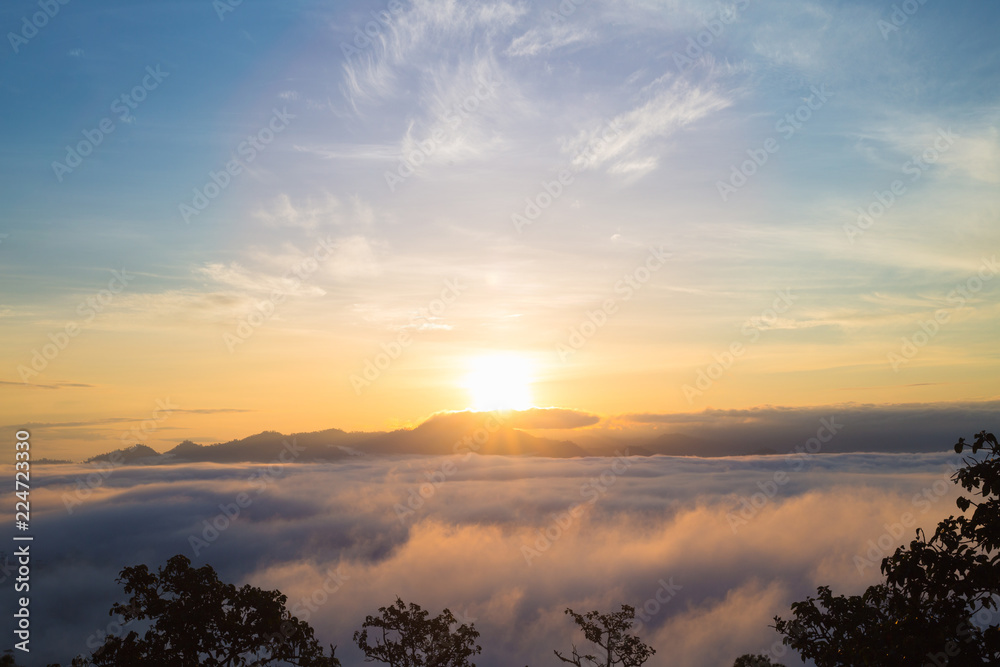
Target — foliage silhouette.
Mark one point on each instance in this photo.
(406, 637)
(923, 613)
(610, 633)
(195, 619)
(755, 661)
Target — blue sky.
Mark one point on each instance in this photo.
(554, 82)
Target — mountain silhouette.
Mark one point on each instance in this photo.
(268, 446)
(135, 454)
(460, 432)
(441, 434)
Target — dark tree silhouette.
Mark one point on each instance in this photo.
(755, 661)
(194, 619)
(610, 633)
(923, 614)
(406, 637)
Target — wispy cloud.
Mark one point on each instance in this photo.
(308, 215)
(408, 45)
(670, 109)
(235, 276)
(545, 39)
(53, 385)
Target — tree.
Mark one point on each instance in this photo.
(610, 633)
(938, 602)
(755, 661)
(406, 637)
(195, 619)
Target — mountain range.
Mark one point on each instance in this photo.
(442, 434)
(763, 431)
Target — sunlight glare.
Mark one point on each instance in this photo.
(499, 382)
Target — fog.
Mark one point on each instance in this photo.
(708, 550)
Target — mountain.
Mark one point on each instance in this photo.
(268, 446)
(134, 454)
(460, 432)
(442, 434)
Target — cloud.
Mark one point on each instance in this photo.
(465, 108)
(930, 142)
(53, 385)
(473, 530)
(353, 257)
(622, 151)
(907, 427)
(119, 420)
(176, 307)
(977, 155)
(541, 40)
(413, 39)
(384, 152)
(308, 215)
(551, 418)
(236, 276)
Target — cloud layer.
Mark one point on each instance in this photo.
(506, 541)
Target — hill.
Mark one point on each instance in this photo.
(442, 434)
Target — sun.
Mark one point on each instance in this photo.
(499, 382)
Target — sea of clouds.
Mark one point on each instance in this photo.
(708, 550)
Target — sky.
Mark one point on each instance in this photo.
(303, 215)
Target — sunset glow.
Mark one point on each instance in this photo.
(499, 382)
(505, 307)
